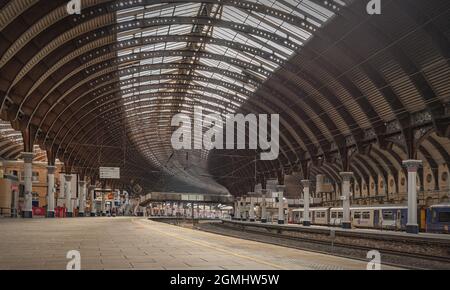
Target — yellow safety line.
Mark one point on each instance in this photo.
(215, 248)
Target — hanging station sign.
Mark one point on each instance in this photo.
(109, 173)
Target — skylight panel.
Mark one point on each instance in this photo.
(280, 6)
(172, 59)
(316, 10)
(205, 74)
(127, 18)
(160, 102)
(224, 33)
(299, 32)
(234, 14)
(169, 71)
(175, 45)
(180, 29)
(189, 9)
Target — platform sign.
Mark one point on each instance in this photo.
(109, 173)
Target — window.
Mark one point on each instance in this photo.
(388, 215)
(13, 172)
(357, 215)
(34, 176)
(444, 217)
(366, 215)
(340, 215)
(333, 215)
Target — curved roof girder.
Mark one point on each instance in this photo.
(207, 89)
(93, 136)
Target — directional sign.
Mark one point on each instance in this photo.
(109, 173)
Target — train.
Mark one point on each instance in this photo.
(432, 219)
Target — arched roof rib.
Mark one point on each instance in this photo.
(160, 21)
(378, 83)
(343, 82)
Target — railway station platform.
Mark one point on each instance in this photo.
(414, 251)
(135, 243)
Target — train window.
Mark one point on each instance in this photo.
(388, 215)
(333, 215)
(322, 214)
(357, 215)
(340, 215)
(366, 215)
(444, 217)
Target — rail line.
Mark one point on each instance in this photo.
(389, 256)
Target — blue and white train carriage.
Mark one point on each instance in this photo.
(386, 217)
(438, 218)
(435, 218)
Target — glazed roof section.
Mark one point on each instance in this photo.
(213, 54)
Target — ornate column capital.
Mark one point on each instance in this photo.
(68, 177)
(305, 182)
(51, 169)
(412, 165)
(346, 176)
(27, 157)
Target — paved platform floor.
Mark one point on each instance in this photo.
(135, 243)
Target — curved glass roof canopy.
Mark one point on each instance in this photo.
(175, 55)
(354, 92)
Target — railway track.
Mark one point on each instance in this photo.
(389, 257)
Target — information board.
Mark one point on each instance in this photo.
(109, 173)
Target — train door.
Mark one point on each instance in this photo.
(398, 220)
(404, 218)
(422, 220)
(376, 218)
